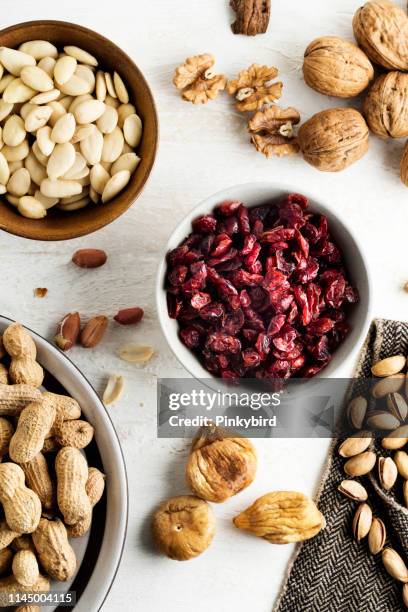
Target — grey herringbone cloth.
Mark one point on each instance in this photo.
(332, 572)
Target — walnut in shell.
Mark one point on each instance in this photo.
(386, 105)
(272, 131)
(334, 139)
(254, 88)
(183, 527)
(381, 30)
(197, 81)
(219, 465)
(336, 67)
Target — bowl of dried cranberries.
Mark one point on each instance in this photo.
(258, 282)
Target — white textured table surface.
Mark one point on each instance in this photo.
(202, 150)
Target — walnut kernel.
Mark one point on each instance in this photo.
(254, 89)
(272, 131)
(197, 81)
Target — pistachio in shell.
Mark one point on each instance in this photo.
(394, 564)
(376, 536)
(282, 517)
(381, 30)
(333, 139)
(183, 527)
(362, 521)
(353, 490)
(336, 67)
(220, 465)
(386, 105)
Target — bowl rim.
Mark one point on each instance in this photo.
(194, 367)
(59, 355)
(71, 235)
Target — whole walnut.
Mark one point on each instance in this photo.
(336, 67)
(183, 527)
(386, 105)
(334, 139)
(220, 465)
(381, 30)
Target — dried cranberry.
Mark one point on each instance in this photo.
(292, 215)
(206, 224)
(216, 261)
(241, 278)
(283, 264)
(251, 358)
(220, 342)
(174, 306)
(213, 312)
(253, 320)
(222, 244)
(233, 322)
(249, 243)
(299, 199)
(228, 265)
(263, 345)
(244, 298)
(190, 337)
(278, 234)
(229, 226)
(259, 298)
(243, 220)
(177, 275)
(257, 228)
(307, 270)
(251, 258)
(200, 299)
(275, 324)
(227, 208)
(320, 326)
(334, 294)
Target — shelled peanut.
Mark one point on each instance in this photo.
(69, 132)
(387, 412)
(47, 489)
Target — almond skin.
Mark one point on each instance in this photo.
(89, 258)
(68, 331)
(93, 331)
(129, 316)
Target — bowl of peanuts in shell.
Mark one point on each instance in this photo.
(63, 484)
(79, 130)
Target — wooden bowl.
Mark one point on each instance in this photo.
(59, 225)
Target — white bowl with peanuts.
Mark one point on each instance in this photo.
(78, 130)
(63, 486)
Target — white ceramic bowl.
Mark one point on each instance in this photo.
(255, 194)
(95, 576)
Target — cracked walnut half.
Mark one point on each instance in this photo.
(197, 81)
(254, 89)
(272, 131)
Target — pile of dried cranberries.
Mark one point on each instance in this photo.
(260, 292)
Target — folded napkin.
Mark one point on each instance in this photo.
(333, 572)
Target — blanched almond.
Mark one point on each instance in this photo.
(57, 111)
(43, 159)
(30, 207)
(3, 189)
(44, 141)
(109, 85)
(120, 88)
(100, 86)
(4, 170)
(36, 78)
(74, 198)
(75, 205)
(14, 61)
(78, 100)
(81, 132)
(5, 81)
(39, 49)
(46, 202)
(115, 184)
(61, 160)
(112, 145)
(36, 170)
(66, 101)
(99, 178)
(132, 130)
(17, 92)
(108, 121)
(26, 109)
(82, 56)
(94, 195)
(85, 73)
(128, 161)
(91, 147)
(13, 131)
(16, 153)
(63, 129)
(113, 102)
(37, 118)
(64, 69)
(89, 111)
(124, 111)
(60, 189)
(46, 97)
(75, 86)
(19, 182)
(5, 109)
(47, 64)
(78, 165)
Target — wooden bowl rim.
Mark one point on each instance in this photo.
(103, 221)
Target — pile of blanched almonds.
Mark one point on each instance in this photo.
(68, 132)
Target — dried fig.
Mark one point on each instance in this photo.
(183, 527)
(381, 30)
(386, 106)
(334, 139)
(336, 67)
(282, 517)
(220, 466)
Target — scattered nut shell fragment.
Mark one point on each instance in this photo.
(114, 389)
(136, 354)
